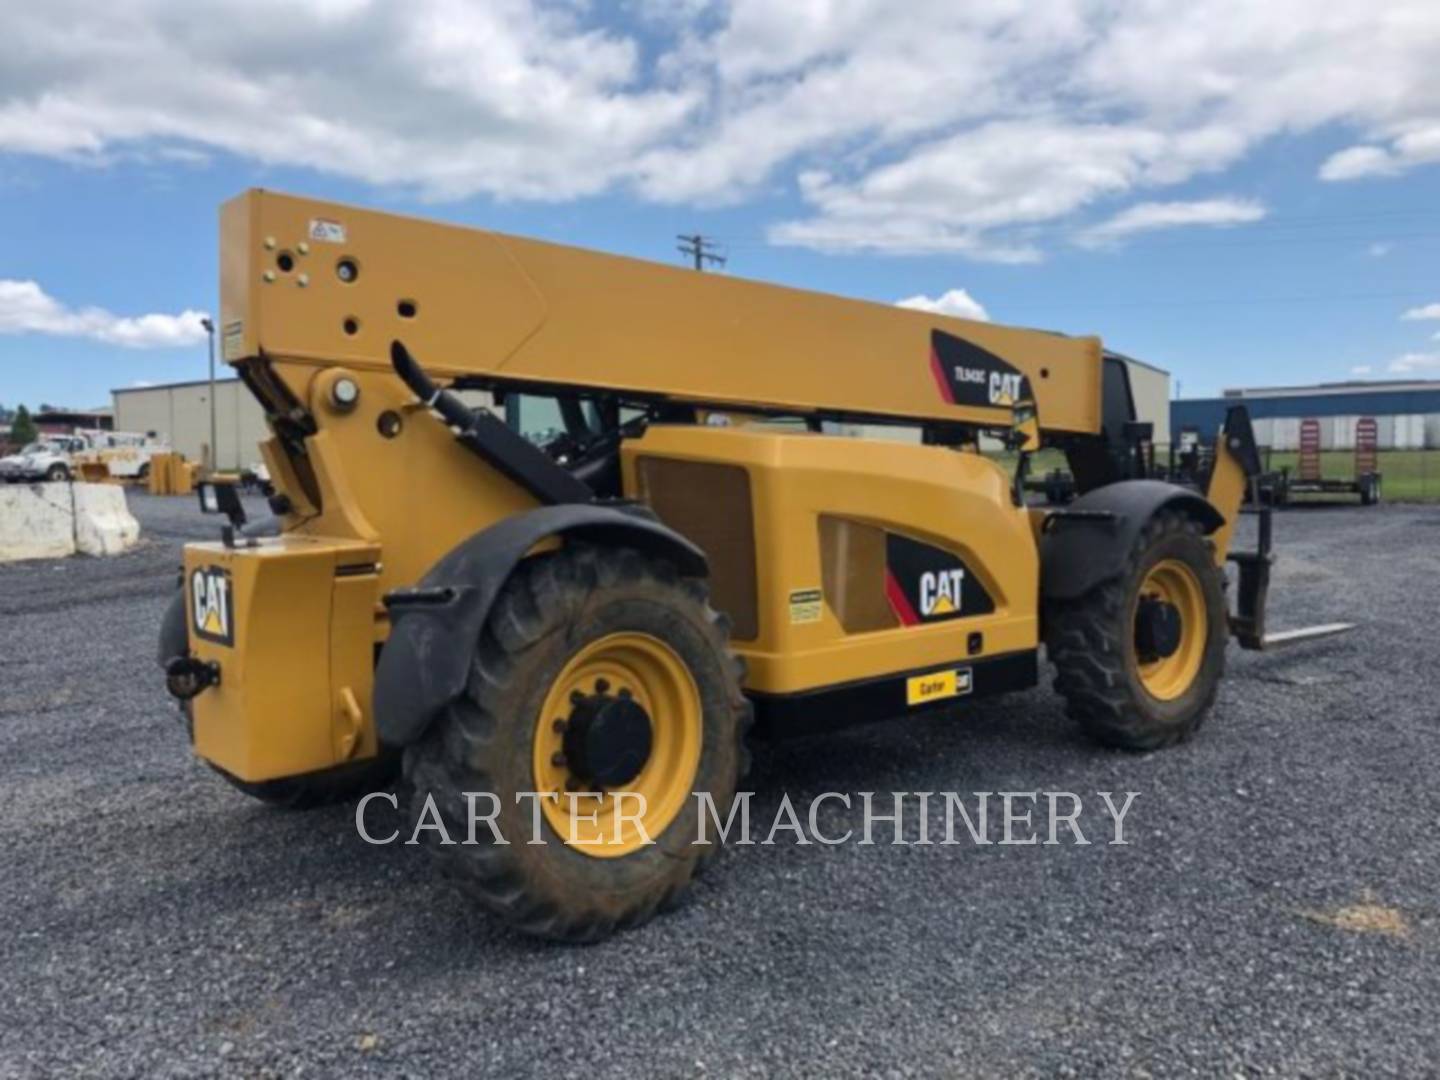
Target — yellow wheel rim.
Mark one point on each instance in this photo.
(615, 822)
(1174, 582)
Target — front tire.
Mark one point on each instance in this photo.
(57, 473)
(577, 635)
(1135, 675)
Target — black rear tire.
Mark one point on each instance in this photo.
(553, 608)
(1092, 643)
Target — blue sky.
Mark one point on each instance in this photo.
(1240, 204)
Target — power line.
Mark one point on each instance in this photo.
(701, 249)
(1331, 298)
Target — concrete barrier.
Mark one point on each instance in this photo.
(103, 522)
(48, 521)
(37, 521)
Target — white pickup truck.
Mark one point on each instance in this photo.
(57, 457)
(47, 459)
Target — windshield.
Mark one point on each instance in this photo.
(37, 448)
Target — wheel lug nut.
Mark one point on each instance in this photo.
(625, 694)
(558, 760)
(576, 697)
(601, 685)
(560, 725)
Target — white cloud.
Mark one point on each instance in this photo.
(955, 302)
(1148, 216)
(1426, 311)
(1358, 161)
(951, 194)
(977, 128)
(452, 98)
(1380, 249)
(1011, 144)
(1362, 369)
(1415, 364)
(1411, 146)
(25, 308)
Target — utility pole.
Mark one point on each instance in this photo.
(699, 248)
(209, 326)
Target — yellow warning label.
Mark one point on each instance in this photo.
(920, 689)
(805, 605)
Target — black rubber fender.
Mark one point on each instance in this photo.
(174, 634)
(435, 626)
(1086, 543)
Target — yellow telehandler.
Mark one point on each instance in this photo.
(554, 527)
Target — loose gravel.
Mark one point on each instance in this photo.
(1274, 913)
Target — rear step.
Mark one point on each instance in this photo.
(1248, 622)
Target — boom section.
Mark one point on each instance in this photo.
(324, 284)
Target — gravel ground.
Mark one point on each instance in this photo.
(1275, 911)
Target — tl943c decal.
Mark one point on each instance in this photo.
(969, 375)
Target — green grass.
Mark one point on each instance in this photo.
(1407, 475)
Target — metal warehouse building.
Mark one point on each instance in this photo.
(1150, 387)
(180, 413)
(1406, 413)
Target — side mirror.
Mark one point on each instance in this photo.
(1024, 427)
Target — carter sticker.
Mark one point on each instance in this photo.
(938, 685)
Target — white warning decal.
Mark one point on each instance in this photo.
(326, 231)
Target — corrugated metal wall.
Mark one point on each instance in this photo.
(180, 413)
(1406, 421)
(1151, 390)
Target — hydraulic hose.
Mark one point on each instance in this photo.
(490, 439)
(456, 412)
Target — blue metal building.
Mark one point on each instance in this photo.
(1407, 414)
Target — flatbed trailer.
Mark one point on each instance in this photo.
(1308, 479)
